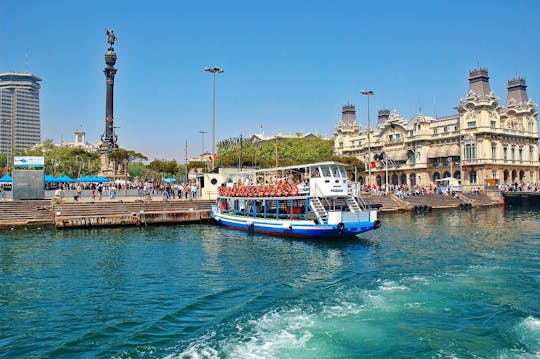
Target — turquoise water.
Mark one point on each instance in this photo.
(451, 284)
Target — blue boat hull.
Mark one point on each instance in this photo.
(294, 228)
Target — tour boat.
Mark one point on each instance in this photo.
(305, 201)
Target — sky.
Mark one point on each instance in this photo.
(289, 66)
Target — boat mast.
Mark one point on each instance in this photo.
(276, 155)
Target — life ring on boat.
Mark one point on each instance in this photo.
(223, 204)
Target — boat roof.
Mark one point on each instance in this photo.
(282, 168)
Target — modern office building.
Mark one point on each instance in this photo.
(20, 126)
(485, 144)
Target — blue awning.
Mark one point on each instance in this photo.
(6, 178)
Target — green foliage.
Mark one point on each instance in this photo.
(290, 152)
(137, 169)
(182, 172)
(350, 164)
(196, 164)
(3, 160)
(121, 155)
(70, 161)
(168, 168)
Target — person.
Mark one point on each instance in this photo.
(100, 190)
(167, 192)
(93, 194)
(112, 192)
(2, 193)
(78, 191)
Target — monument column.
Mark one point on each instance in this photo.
(109, 139)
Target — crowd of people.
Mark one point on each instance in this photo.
(165, 190)
(518, 187)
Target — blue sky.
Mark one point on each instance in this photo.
(289, 65)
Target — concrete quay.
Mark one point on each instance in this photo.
(136, 211)
(128, 211)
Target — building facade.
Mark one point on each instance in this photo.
(484, 144)
(20, 125)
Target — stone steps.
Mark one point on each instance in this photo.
(25, 212)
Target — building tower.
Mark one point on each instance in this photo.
(479, 82)
(109, 138)
(20, 126)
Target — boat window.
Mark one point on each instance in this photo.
(326, 171)
(339, 172)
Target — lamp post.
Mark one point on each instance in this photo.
(10, 157)
(213, 71)
(368, 93)
(202, 140)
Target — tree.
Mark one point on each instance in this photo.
(137, 169)
(3, 160)
(293, 151)
(70, 161)
(168, 168)
(125, 157)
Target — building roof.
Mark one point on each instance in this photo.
(19, 76)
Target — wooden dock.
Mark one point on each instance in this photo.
(73, 214)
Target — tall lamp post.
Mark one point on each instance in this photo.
(202, 147)
(10, 155)
(368, 93)
(202, 140)
(214, 71)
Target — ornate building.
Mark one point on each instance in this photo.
(488, 143)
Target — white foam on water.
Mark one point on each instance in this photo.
(389, 285)
(341, 310)
(263, 337)
(199, 349)
(528, 333)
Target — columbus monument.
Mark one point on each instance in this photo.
(109, 139)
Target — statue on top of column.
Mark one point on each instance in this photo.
(111, 37)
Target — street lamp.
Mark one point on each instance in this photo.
(368, 94)
(202, 140)
(214, 71)
(10, 158)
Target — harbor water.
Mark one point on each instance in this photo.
(447, 284)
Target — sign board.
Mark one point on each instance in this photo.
(29, 161)
(28, 184)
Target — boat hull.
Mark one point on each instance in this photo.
(522, 199)
(294, 228)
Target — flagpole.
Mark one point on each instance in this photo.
(386, 165)
(368, 94)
